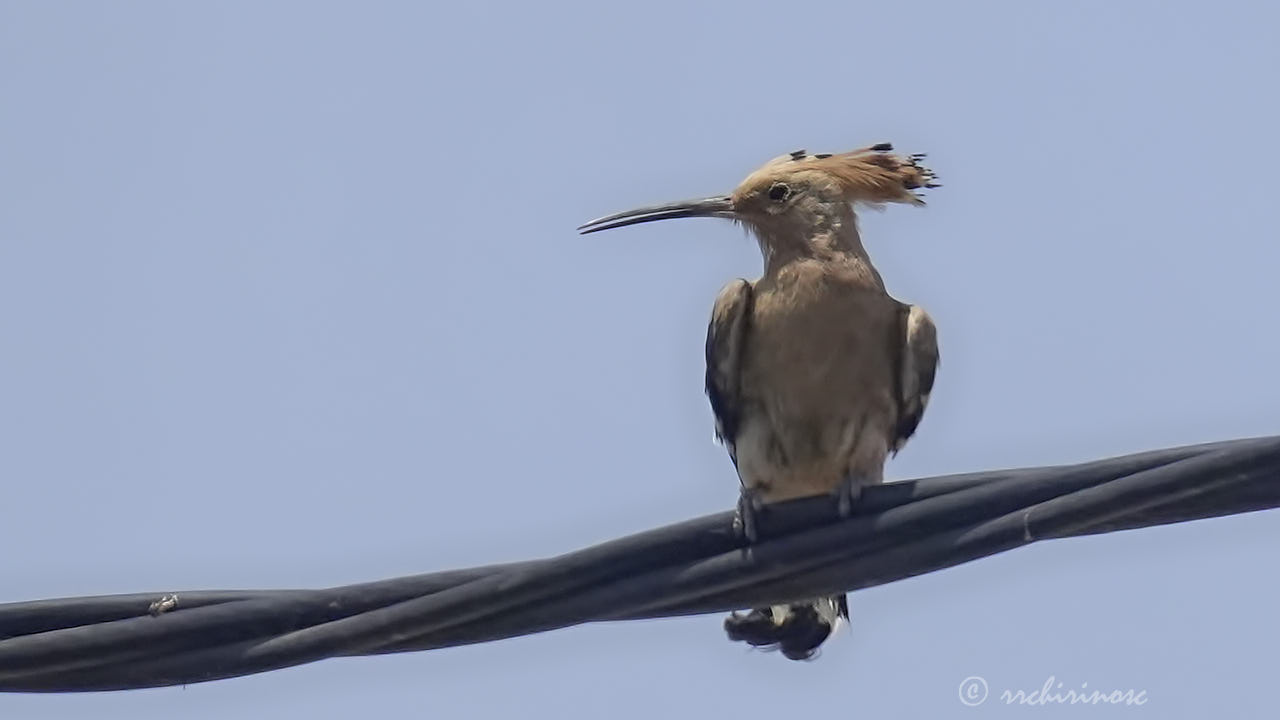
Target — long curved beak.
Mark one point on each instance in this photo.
(721, 207)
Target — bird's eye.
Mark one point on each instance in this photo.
(779, 192)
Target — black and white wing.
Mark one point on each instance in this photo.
(919, 364)
(726, 337)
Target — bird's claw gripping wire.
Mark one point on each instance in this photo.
(847, 495)
(744, 521)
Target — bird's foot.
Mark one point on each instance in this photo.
(848, 494)
(744, 522)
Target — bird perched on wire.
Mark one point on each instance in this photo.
(815, 373)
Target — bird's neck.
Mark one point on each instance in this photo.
(833, 240)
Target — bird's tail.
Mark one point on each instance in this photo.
(796, 629)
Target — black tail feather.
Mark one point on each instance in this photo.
(798, 633)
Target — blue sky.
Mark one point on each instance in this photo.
(290, 296)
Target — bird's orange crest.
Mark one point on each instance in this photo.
(872, 175)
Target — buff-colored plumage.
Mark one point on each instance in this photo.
(815, 373)
(872, 175)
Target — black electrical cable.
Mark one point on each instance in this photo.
(898, 530)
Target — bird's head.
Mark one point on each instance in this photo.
(799, 194)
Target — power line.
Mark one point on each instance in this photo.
(899, 530)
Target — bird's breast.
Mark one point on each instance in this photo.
(817, 386)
